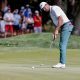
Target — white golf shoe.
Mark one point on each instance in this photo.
(59, 65)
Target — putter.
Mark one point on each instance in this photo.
(52, 41)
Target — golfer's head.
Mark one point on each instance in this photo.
(45, 6)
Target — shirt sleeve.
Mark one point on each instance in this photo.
(57, 10)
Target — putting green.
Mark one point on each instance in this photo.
(16, 64)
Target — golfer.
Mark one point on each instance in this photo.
(63, 24)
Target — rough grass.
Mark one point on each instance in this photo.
(42, 40)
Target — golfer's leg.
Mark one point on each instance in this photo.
(64, 36)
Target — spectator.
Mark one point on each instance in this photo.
(5, 9)
(27, 11)
(22, 10)
(17, 19)
(37, 22)
(8, 18)
(23, 23)
(2, 25)
(0, 15)
(30, 23)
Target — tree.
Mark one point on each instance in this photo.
(72, 9)
(73, 12)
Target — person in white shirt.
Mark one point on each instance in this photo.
(30, 23)
(4, 10)
(62, 23)
(8, 18)
(22, 10)
(2, 26)
(17, 19)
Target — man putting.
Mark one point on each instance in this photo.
(62, 23)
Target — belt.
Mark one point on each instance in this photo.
(66, 23)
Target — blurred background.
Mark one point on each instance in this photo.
(71, 8)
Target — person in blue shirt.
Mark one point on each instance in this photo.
(27, 11)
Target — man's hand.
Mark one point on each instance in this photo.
(55, 34)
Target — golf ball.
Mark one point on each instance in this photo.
(33, 67)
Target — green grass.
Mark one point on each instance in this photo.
(16, 63)
(18, 55)
(36, 55)
(38, 40)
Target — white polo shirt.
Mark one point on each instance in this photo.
(55, 12)
(2, 26)
(17, 18)
(8, 16)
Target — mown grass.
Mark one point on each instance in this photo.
(37, 55)
(21, 57)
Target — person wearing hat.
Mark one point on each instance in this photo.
(22, 10)
(30, 23)
(27, 11)
(37, 22)
(8, 18)
(63, 24)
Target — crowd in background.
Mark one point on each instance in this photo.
(19, 21)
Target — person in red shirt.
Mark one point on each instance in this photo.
(37, 22)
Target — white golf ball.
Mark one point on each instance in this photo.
(33, 67)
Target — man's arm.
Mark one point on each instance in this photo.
(57, 28)
(60, 22)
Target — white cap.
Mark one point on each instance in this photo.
(22, 7)
(36, 11)
(42, 4)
